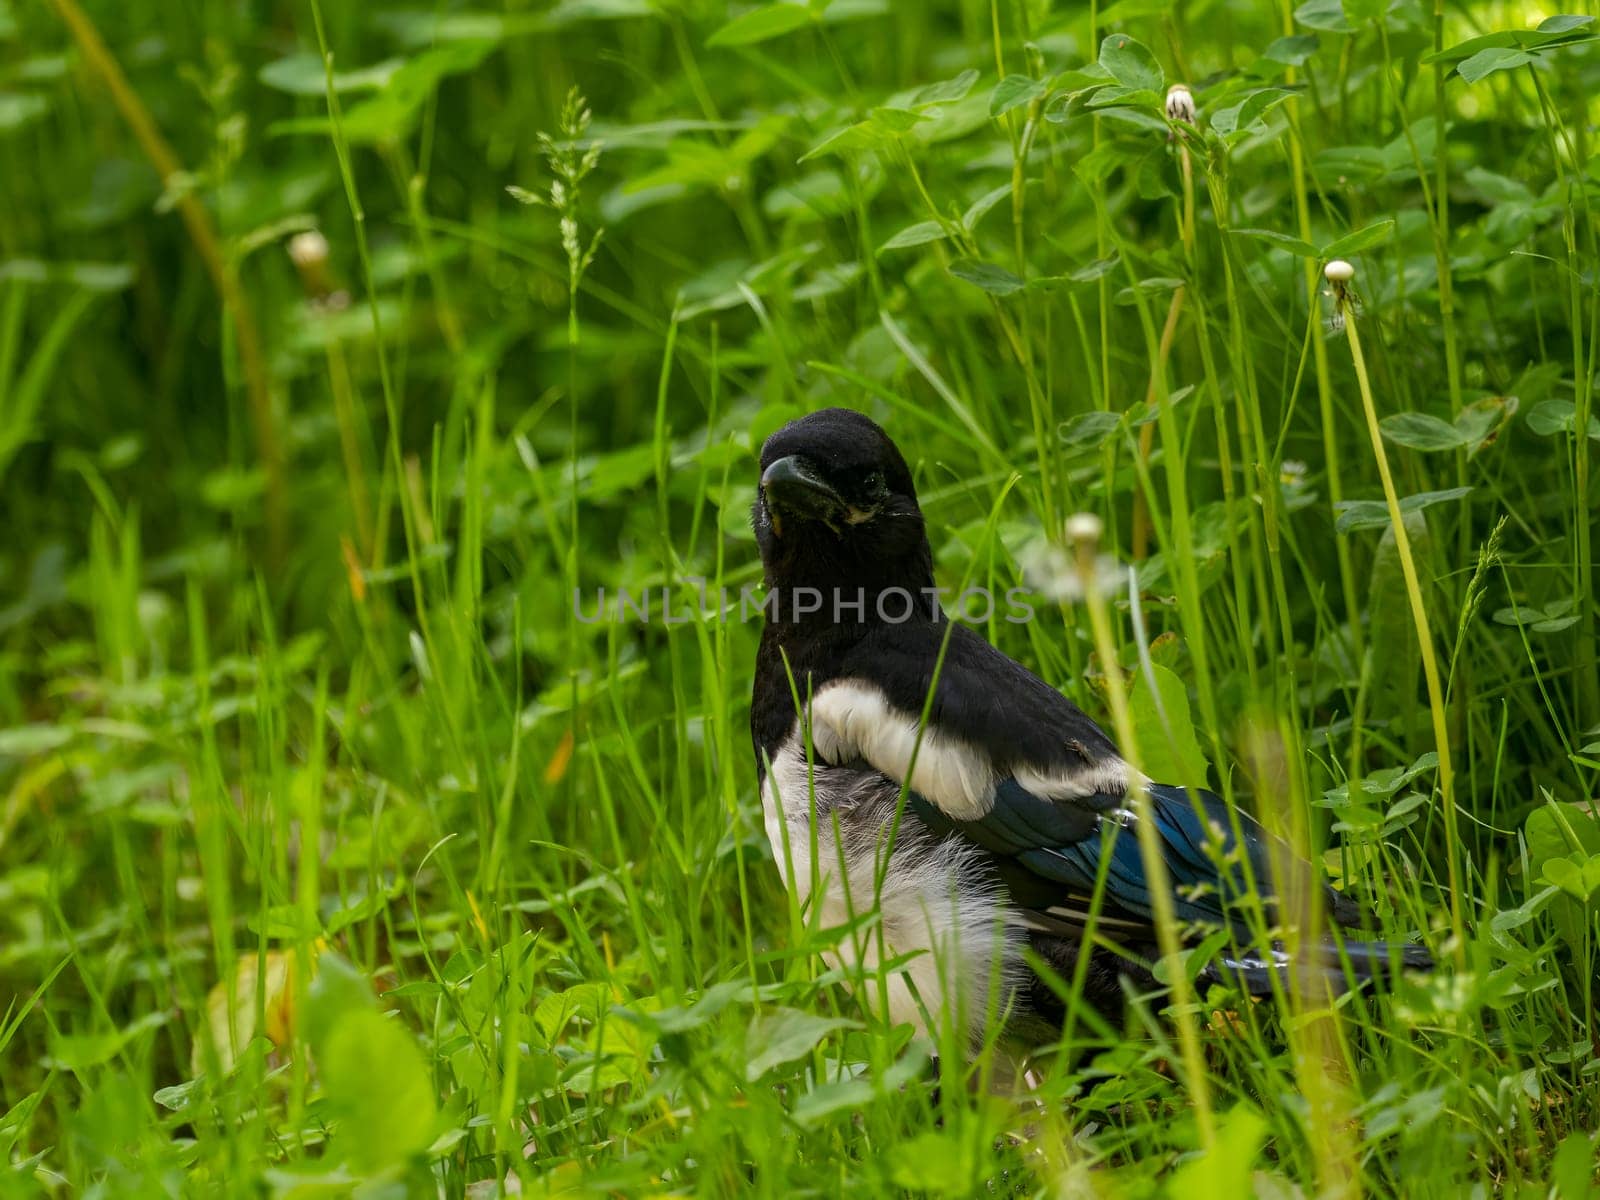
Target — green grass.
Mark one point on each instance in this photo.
(338, 852)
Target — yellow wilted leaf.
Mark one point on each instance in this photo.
(231, 1007)
(477, 914)
(556, 769)
(352, 568)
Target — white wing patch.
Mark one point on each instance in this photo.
(1110, 776)
(850, 719)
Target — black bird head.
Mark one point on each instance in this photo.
(837, 508)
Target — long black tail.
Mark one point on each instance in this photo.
(1342, 964)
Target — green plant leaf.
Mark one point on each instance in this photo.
(1228, 1168)
(1097, 269)
(1564, 23)
(1572, 1170)
(1482, 420)
(19, 410)
(761, 24)
(919, 234)
(1151, 286)
(1292, 244)
(20, 108)
(1374, 514)
(682, 1019)
(1556, 832)
(376, 1085)
(1555, 624)
(378, 1090)
(1495, 58)
(947, 91)
(1116, 96)
(1559, 416)
(783, 1035)
(91, 276)
(1552, 618)
(1420, 431)
(880, 128)
(1515, 918)
(1364, 11)
(337, 991)
(1498, 188)
(1153, 178)
(981, 206)
(827, 1099)
(1351, 162)
(1169, 750)
(1014, 91)
(1326, 15)
(82, 1051)
(304, 75)
(995, 280)
(1576, 876)
(1557, 829)
(1258, 104)
(1557, 31)
(390, 113)
(22, 741)
(893, 120)
(1131, 64)
(1245, 115)
(1088, 431)
(932, 1163)
(1133, 10)
(1362, 239)
(1518, 614)
(1292, 51)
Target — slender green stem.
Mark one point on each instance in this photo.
(1155, 867)
(1419, 614)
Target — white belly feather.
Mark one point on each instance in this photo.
(937, 905)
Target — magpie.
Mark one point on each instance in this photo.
(908, 768)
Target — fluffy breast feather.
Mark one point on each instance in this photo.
(939, 905)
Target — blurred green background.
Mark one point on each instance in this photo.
(342, 345)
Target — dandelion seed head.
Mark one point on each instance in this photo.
(1180, 104)
(1055, 573)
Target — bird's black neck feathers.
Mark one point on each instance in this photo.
(821, 608)
(817, 577)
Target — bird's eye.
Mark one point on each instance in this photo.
(874, 482)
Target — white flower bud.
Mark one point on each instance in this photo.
(1180, 104)
(1084, 528)
(308, 249)
(1339, 271)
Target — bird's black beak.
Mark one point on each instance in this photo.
(793, 488)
